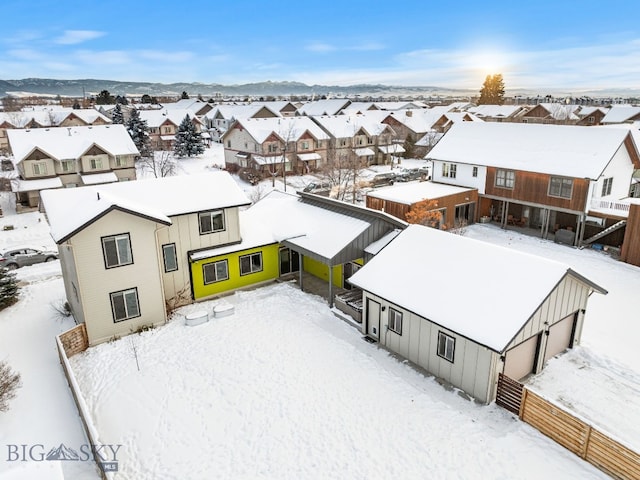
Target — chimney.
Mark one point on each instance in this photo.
(409, 113)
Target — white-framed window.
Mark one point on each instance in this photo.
(453, 170)
(304, 145)
(560, 187)
(215, 272)
(251, 263)
(121, 161)
(170, 257)
(39, 168)
(117, 250)
(95, 164)
(211, 222)
(591, 119)
(606, 186)
(445, 169)
(395, 321)
(474, 172)
(68, 165)
(505, 178)
(272, 148)
(125, 304)
(446, 346)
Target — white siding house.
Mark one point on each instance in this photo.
(465, 310)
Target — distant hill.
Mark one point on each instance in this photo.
(77, 88)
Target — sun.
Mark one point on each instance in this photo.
(488, 62)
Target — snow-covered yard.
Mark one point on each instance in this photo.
(283, 389)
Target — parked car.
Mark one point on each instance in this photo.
(407, 174)
(319, 188)
(381, 179)
(22, 256)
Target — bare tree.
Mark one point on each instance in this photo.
(160, 163)
(9, 383)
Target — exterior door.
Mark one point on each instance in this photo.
(560, 336)
(373, 319)
(521, 359)
(289, 261)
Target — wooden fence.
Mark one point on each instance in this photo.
(583, 439)
(509, 394)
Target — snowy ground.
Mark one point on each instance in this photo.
(283, 389)
(304, 396)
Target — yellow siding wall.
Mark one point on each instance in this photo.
(270, 271)
(320, 270)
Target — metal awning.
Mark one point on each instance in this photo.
(242, 155)
(167, 138)
(33, 185)
(391, 148)
(306, 157)
(364, 152)
(97, 178)
(266, 160)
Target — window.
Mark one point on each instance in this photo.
(124, 304)
(210, 222)
(68, 165)
(215, 272)
(170, 257)
(395, 321)
(95, 164)
(120, 161)
(606, 186)
(560, 187)
(117, 250)
(228, 143)
(591, 119)
(449, 170)
(505, 178)
(474, 173)
(446, 346)
(40, 168)
(272, 148)
(251, 263)
(305, 145)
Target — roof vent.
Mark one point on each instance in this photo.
(69, 130)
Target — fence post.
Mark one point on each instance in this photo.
(585, 445)
(522, 402)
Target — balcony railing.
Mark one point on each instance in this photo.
(619, 206)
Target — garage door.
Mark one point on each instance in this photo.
(520, 360)
(560, 337)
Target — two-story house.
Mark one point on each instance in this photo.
(542, 177)
(125, 251)
(163, 125)
(274, 145)
(131, 252)
(360, 135)
(222, 116)
(69, 157)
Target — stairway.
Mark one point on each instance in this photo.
(605, 232)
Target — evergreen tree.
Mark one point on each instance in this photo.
(409, 146)
(105, 98)
(184, 95)
(117, 116)
(138, 131)
(189, 141)
(145, 98)
(8, 288)
(492, 91)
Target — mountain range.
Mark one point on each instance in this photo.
(88, 87)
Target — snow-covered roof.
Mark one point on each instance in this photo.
(586, 111)
(51, 117)
(97, 178)
(307, 226)
(375, 247)
(324, 107)
(430, 271)
(71, 209)
(419, 120)
(495, 111)
(346, 126)
(415, 192)
(64, 143)
(229, 112)
(305, 157)
(393, 148)
(287, 128)
(155, 118)
(567, 150)
(621, 113)
(20, 185)
(364, 152)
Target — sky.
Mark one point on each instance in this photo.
(563, 44)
